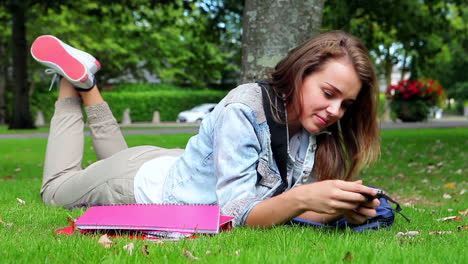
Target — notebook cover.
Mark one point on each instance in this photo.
(176, 218)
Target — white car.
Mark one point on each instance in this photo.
(195, 114)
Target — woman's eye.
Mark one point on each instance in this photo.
(327, 93)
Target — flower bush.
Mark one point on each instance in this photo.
(426, 90)
(411, 100)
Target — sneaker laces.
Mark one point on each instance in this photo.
(54, 79)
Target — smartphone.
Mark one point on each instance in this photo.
(380, 194)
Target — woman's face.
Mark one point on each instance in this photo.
(326, 94)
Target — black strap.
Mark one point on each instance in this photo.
(278, 132)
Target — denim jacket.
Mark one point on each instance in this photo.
(230, 161)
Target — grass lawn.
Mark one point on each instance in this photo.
(417, 167)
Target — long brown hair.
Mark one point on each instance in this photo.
(355, 141)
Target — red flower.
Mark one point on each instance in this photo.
(424, 89)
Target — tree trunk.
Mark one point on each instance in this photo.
(403, 67)
(3, 85)
(272, 28)
(22, 118)
(388, 67)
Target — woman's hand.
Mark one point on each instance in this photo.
(360, 214)
(335, 197)
(320, 201)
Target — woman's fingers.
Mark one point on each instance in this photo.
(372, 203)
(349, 196)
(359, 215)
(341, 206)
(366, 211)
(332, 196)
(355, 217)
(355, 187)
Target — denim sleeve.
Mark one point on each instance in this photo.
(236, 154)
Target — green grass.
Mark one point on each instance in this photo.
(417, 166)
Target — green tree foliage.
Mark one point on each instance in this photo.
(5, 61)
(174, 40)
(450, 64)
(423, 37)
(171, 39)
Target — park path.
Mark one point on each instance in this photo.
(177, 128)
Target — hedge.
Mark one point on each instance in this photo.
(147, 87)
(141, 104)
(168, 103)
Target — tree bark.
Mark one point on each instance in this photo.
(3, 85)
(271, 28)
(21, 118)
(388, 67)
(403, 68)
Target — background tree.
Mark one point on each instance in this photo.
(449, 65)
(4, 63)
(21, 116)
(271, 28)
(404, 33)
(173, 41)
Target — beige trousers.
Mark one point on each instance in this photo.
(107, 181)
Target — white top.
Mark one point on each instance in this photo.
(150, 178)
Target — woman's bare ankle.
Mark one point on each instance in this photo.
(91, 97)
(66, 89)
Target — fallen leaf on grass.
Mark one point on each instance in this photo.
(462, 191)
(8, 178)
(459, 171)
(129, 248)
(440, 232)
(413, 164)
(17, 169)
(451, 185)
(409, 233)
(144, 248)
(72, 223)
(105, 241)
(189, 255)
(464, 213)
(461, 228)
(237, 252)
(4, 223)
(208, 252)
(447, 196)
(348, 257)
(20, 201)
(450, 218)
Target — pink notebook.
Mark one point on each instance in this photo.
(175, 218)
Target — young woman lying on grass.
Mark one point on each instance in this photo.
(270, 151)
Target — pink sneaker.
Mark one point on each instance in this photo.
(75, 65)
